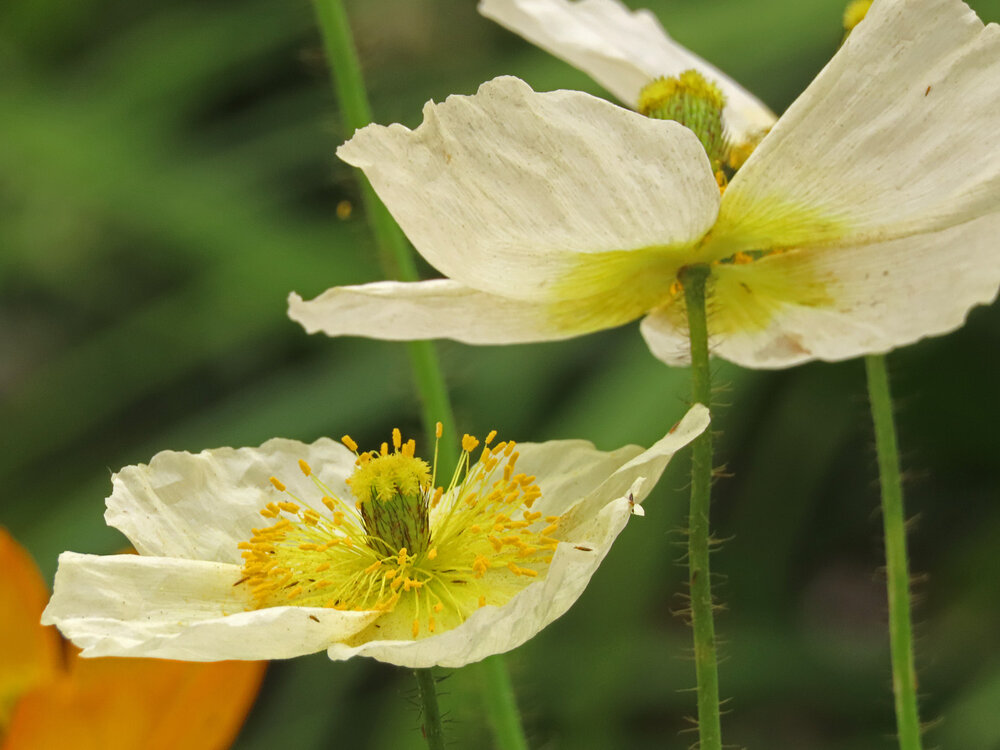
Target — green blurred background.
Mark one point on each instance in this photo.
(166, 178)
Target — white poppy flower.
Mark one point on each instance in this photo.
(623, 50)
(865, 220)
(356, 554)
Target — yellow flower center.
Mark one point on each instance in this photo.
(694, 102)
(391, 490)
(426, 557)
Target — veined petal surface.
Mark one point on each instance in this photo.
(132, 605)
(510, 191)
(895, 137)
(876, 297)
(199, 506)
(880, 190)
(442, 308)
(622, 50)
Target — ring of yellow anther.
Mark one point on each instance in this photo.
(472, 543)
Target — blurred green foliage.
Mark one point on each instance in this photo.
(167, 177)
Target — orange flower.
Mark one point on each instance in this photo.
(49, 697)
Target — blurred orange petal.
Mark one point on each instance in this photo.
(124, 704)
(29, 653)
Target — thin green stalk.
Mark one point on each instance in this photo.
(393, 250)
(904, 676)
(505, 719)
(699, 540)
(397, 262)
(429, 703)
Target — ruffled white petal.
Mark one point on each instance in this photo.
(572, 474)
(882, 296)
(623, 50)
(493, 630)
(440, 308)
(511, 191)
(200, 506)
(597, 491)
(127, 605)
(897, 136)
(667, 339)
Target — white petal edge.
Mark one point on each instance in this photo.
(622, 50)
(506, 191)
(884, 296)
(585, 479)
(593, 523)
(439, 308)
(199, 506)
(896, 136)
(667, 342)
(128, 605)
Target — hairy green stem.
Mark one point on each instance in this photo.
(431, 713)
(501, 703)
(904, 676)
(397, 262)
(699, 540)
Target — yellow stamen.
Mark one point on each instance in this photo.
(462, 541)
(277, 484)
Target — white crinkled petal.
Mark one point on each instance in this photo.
(573, 474)
(128, 605)
(440, 308)
(177, 608)
(896, 136)
(883, 296)
(667, 341)
(493, 630)
(201, 505)
(647, 467)
(623, 50)
(509, 191)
